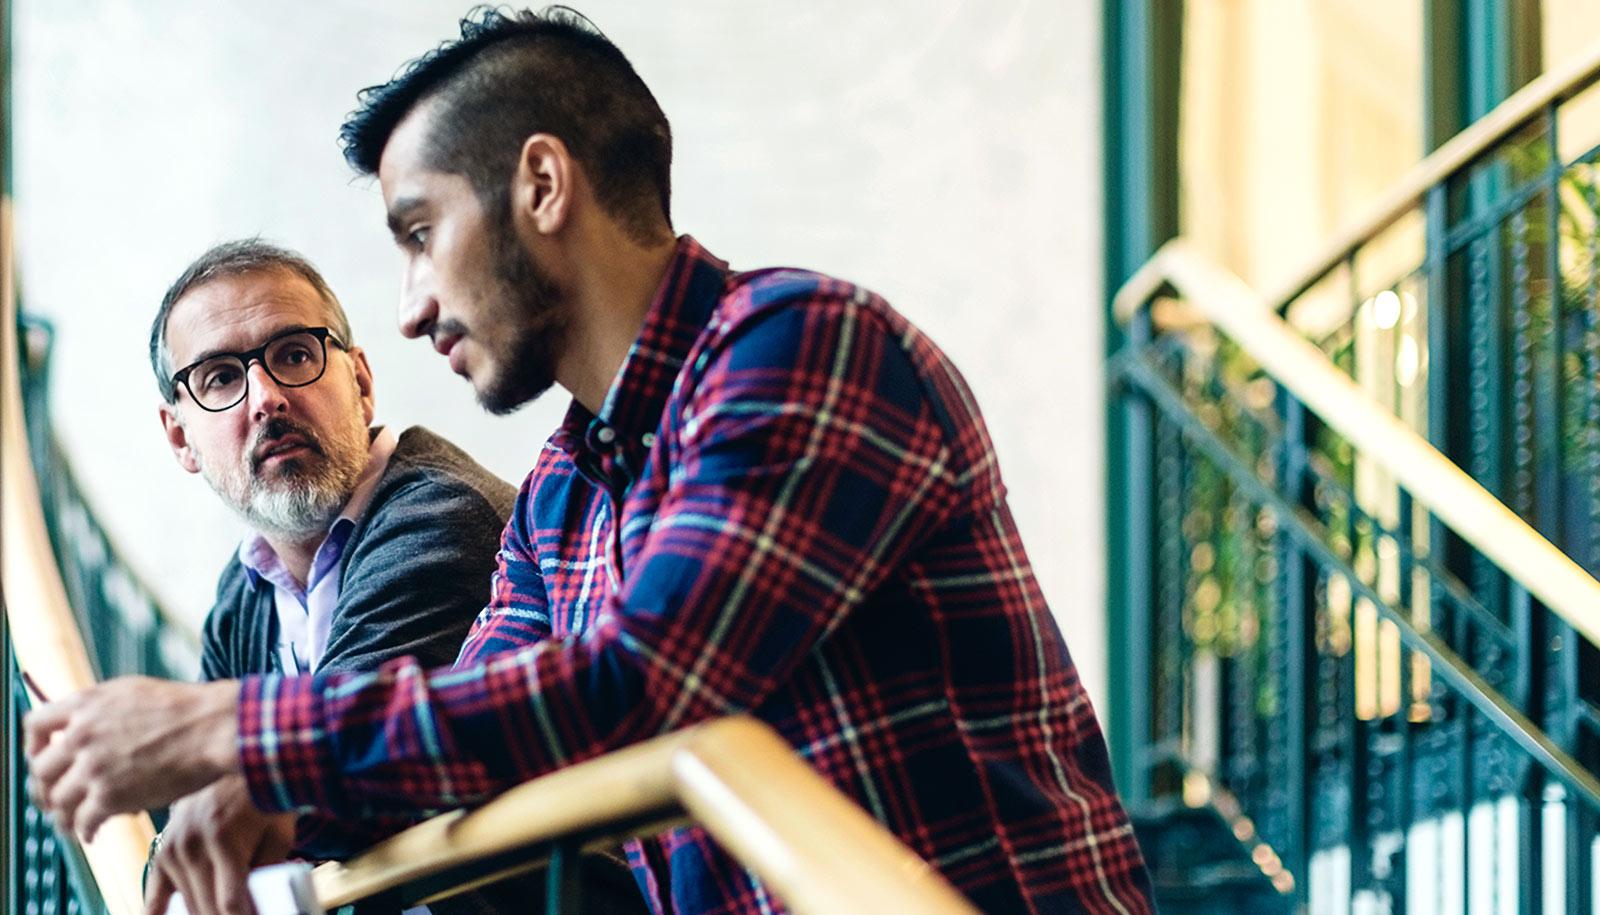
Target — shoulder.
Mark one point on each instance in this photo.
(793, 310)
(774, 326)
(426, 469)
(785, 333)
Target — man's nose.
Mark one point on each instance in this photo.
(265, 397)
(419, 309)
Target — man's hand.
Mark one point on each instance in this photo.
(211, 843)
(130, 744)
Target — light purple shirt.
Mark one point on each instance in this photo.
(305, 614)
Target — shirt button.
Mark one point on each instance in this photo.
(648, 439)
(606, 435)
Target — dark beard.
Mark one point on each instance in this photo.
(530, 352)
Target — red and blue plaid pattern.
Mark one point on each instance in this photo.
(788, 505)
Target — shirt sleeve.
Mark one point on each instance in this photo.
(518, 612)
(809, 461)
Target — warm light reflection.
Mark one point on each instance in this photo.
(1366, 660)
(1386, 310)
(1407, 361)
(1389, 661)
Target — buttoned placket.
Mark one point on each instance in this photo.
(604, 459)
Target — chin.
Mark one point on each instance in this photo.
(504, 395)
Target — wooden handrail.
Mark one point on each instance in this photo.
(1460, 150)
(1433, 480)
(736, 777)
(44, 632)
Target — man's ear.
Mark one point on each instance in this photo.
(364, 382)
(178, 438)
(543, 186)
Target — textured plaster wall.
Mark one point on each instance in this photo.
(944, 153)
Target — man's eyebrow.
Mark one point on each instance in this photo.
(224, 351)
(399, 210)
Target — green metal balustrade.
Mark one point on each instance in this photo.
(123, 628)
(1376, 710)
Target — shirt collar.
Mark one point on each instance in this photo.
(261, 560)
(678, 314)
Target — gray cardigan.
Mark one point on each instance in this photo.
(415, 571)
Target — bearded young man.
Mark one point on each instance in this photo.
(365, 545)
(771, 495)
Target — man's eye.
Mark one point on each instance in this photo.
(418, 238)
(218, 379)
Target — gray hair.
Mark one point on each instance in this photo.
(229, 259)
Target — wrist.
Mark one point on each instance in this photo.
(221, 747)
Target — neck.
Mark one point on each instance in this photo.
(611, 293)
(295, 554)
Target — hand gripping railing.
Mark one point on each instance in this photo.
(44, 633)
(735, 777)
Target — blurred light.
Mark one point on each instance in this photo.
(1196, 789)
(1407, 361)
(1386, 310)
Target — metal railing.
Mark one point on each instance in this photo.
(1311, 655)
(1364, 541)
(73, 613)
(44, 640)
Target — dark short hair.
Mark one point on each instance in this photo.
(510, 75)
(228, 259)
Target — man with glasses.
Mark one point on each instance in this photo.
(365, 544)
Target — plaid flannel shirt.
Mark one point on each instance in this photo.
(787, 505)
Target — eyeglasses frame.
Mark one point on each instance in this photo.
(324, 336)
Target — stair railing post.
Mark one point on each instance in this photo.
(1138, 584)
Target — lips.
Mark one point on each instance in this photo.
(283, 446)
(452, 347)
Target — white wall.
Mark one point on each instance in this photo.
(944, 153)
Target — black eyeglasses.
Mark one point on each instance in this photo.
(293, 359)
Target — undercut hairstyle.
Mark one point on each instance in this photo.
(230, 259)
(513, 74)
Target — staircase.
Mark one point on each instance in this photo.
(106, 609)
(1363, 525)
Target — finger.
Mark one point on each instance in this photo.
(231, 893)
(62, 799)
(159, 892)
(38, 794)
(190, 870)
(50, 766)
(91, 813)
(43, 721)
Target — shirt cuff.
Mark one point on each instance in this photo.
(284, 747)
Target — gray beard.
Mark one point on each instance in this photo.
(295, 508)
(301, 503)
